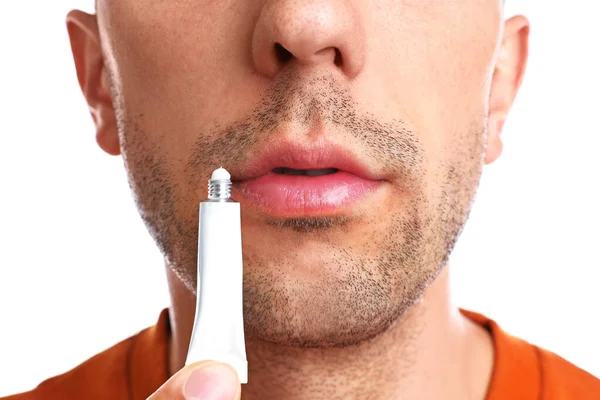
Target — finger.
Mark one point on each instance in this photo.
(206, 380)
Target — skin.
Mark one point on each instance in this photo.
(348, 305)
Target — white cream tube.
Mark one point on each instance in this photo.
(218, 332)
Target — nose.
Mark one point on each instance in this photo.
(324, 33)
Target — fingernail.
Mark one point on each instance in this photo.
(215, 382)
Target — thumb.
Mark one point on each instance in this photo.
(206, 380)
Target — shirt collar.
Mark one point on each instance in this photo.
(147, 361)
(517, 369)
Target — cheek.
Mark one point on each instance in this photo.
(170, 60)
(435, 63)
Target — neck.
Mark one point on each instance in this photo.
(432, 343)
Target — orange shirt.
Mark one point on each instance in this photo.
(134, 368)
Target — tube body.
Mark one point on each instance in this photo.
(218, 332)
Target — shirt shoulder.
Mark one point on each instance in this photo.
(528, 372)
(564, 380)
(130, 370)
(104, 376)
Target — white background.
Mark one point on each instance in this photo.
(79, 272)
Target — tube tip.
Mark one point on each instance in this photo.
(219, 186)
(220, 174)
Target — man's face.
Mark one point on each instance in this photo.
(393, 94)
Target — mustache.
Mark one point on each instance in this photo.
(321, 99)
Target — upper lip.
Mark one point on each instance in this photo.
(295, 156)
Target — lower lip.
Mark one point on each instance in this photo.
(300, 195)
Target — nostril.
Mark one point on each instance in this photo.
(283, 55)
(338, 57)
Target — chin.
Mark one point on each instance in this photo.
(332, 312)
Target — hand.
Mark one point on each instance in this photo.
(205, 380)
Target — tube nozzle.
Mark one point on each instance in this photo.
(219, 185)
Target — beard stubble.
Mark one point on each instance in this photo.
(371, 292)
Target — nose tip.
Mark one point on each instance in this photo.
(310, 33)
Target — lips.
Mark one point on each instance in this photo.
(295, 181)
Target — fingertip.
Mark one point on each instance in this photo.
(212, 380)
